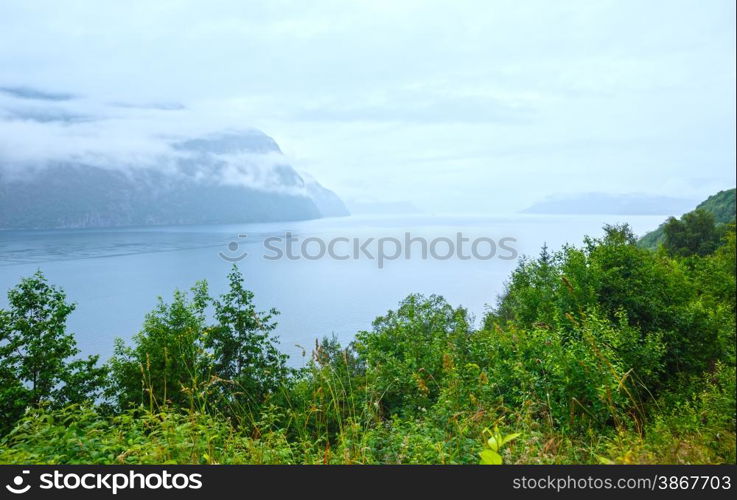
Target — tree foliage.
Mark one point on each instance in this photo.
(36, 352)
(182, 358)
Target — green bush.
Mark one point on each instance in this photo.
(404, 353)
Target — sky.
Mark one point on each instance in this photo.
(454, 106)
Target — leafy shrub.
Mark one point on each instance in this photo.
(404, 352)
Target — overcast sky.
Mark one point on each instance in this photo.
(454, 105)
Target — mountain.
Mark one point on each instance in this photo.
(721, 205)
(232, 177)
(611, 204)
(327, 202)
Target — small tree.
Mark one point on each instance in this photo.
(695, 234)
(168, 363)
(243, 346)
(35, 352)
(180, 358)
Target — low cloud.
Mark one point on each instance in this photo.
(421, 107)
(36, 94)
(167, 137)
(162, 106)
(45, 115)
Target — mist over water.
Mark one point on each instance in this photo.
(115, 275)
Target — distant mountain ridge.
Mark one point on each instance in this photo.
(233, 177)
(721, 205)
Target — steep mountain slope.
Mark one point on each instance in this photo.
(226, 178)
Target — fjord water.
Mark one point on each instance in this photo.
(116, 275)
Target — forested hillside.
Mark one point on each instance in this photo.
(717, 210)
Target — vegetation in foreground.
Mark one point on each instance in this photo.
(604, 353)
